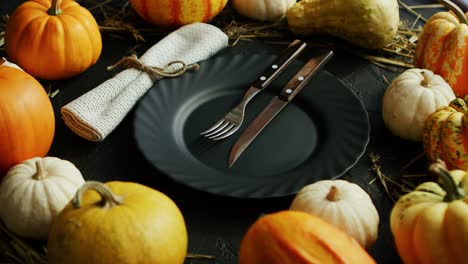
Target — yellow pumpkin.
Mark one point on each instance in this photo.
(53, 40)
(430, 224)
(118, 222)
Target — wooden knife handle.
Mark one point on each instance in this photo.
(304, 75)
(279, 64)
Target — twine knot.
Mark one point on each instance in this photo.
(155, 73)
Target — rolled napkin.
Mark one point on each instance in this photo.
(95, 114)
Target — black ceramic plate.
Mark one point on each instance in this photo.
(319, 135)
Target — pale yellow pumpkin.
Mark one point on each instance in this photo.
(430, 224)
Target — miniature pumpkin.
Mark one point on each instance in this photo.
(343, 204)
(27, 121)
(292, 237)
(118, 222)
(175, 13)
(52, 41)
(430, 224)
(370, 24)
(262, 10)
(411, 98)
(33, 192)
(444, 135)
(442, 48)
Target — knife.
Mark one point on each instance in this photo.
(292, 88)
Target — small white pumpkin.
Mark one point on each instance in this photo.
(33, 192)
(411, 98)
(262, 10)
(342, 204)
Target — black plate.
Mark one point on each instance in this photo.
(319, 135)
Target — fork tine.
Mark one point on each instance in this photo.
(222, 132)
(218, 130)
(214, 127)
(226, 134)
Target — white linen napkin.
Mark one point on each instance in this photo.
(94, 115)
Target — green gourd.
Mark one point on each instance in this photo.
(370, 24)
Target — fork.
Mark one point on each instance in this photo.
(232, 121)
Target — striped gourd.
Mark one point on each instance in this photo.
(175, 13)
(442, 48)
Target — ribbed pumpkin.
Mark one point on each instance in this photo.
(53, 40)
(443, 47)
(27, 122)
(430, 224)
(175, 13)
(293, 237)
(445, 135)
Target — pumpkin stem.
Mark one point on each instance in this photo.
(448, 183)
(455, 9)
(41, 173)
(54, 9)
(426, 82)
(109, 199)
(334, 194)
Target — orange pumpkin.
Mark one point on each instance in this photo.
(294, 237)
(442, 47)
(53, 40)
(27, 122)
(175, 13)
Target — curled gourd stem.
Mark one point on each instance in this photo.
(448, 183)
(334, 194)
(426, 82)
(109, 199)
(455, 9)
(41, 173)
(54, 9)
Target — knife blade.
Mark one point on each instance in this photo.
(292, 88)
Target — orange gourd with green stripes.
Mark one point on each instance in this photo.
(445, 134)
(443, 47)
(174, 13)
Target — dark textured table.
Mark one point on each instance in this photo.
(217, 224)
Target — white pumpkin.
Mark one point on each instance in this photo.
(262, 10)
(33, 192)
(411, 98)
(342, 204)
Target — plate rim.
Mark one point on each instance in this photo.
(174, 175)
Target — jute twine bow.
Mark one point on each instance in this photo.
(155, 73)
